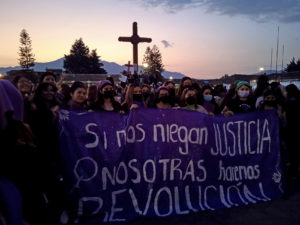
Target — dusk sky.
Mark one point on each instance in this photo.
(200, 38)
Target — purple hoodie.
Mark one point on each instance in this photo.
(10, 100)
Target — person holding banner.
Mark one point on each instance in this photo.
(208, 102)
(242, 102)
(78, 97)
(270, 102)
(188, 101)
(106, 98)
(92, 93)
(133, 98)
(172, 92)
(147, 95)
(162, 98)
(43, 122)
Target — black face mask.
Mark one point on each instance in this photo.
(108, 94)
(172, 91)
(191, 100)
(164, 99)
(270, 103)
(146, 95)
(137, 97)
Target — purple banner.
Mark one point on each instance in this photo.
(158, 163)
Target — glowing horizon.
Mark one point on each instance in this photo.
(192, 41)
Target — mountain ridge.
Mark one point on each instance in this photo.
(110, 67)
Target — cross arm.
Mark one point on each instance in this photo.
(125, 39)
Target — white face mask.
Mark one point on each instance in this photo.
(243, 94)
(207, 98)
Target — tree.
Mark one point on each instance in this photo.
(155, 66)
(26, 59)
(81, 61)
(293, 66)
(95, 64)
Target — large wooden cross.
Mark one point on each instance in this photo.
(135, 39)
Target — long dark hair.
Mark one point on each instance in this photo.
(292, 91)
(180, 88)
(201, 98)
(38, 99)
(99, 103)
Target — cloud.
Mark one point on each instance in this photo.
(285, 11)
(172, 6)
(166, 44)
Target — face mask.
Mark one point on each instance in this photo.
(146, 95)
(172, 91)
(190, 100)
(207, 98)
(243, 94)
(137, 97)
(108, 94)
(270, 103)
(164, 99)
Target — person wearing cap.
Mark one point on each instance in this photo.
(106, 98)
(242, 102)
(162, 98)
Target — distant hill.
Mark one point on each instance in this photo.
(110, 67)
(267, 72)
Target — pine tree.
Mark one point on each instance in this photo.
(154, 60)
(293, 66)
(26, 59)
(95, 64)
(298, 65)
(80, 60)
(77, 60)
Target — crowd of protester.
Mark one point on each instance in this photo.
(30, 173)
